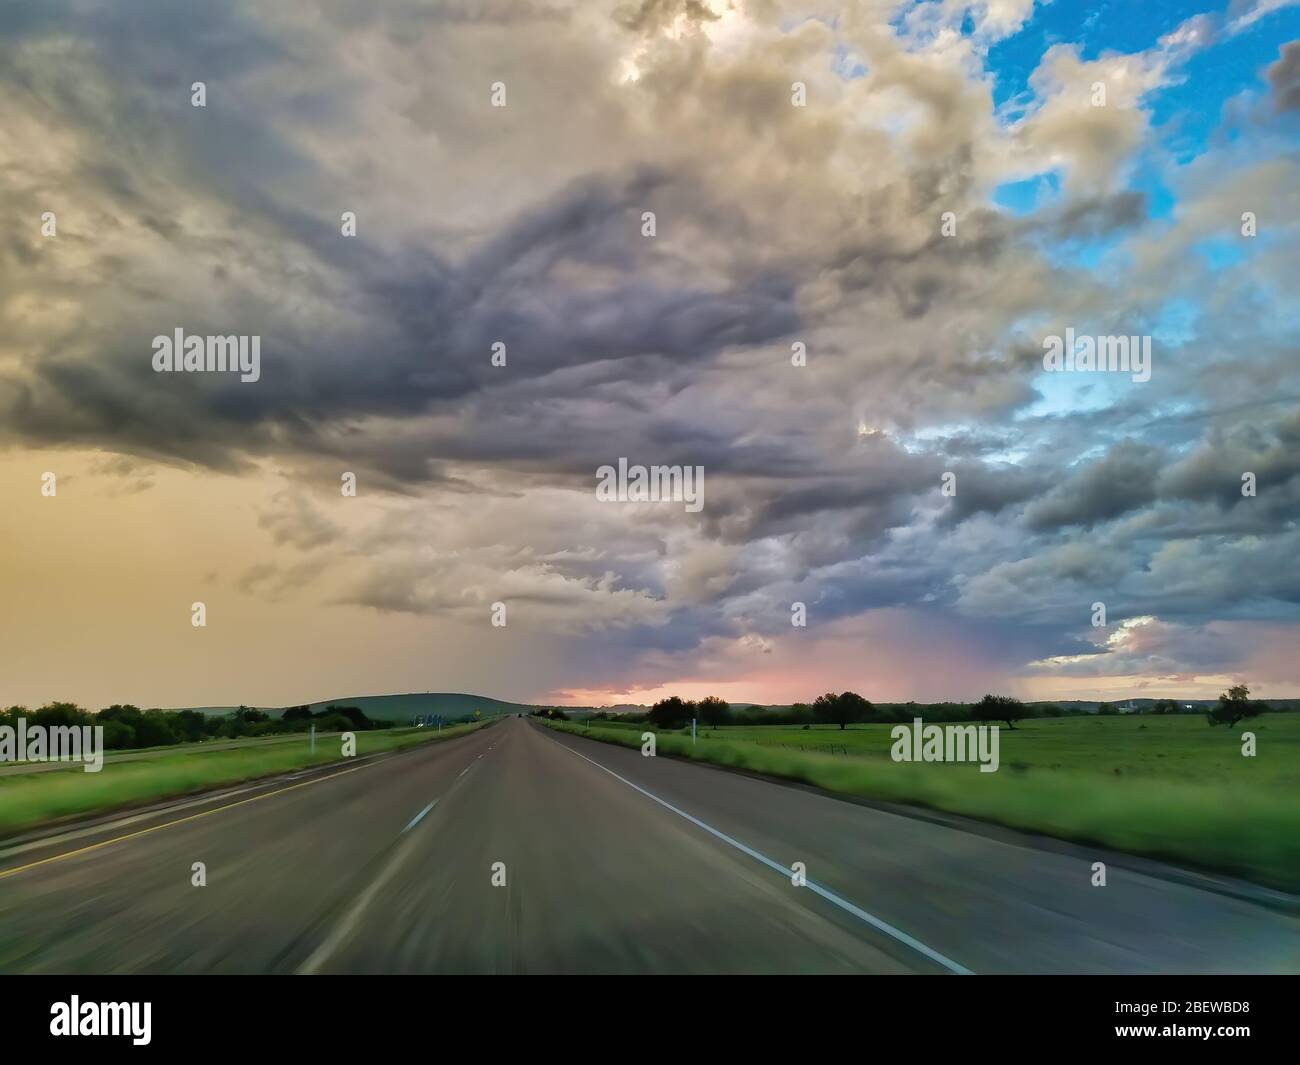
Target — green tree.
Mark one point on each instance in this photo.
(188, 725)
(670, 713)
(118, 736)
(155, 730)
(128, 715)
(1233, 706)
(354, 715)
(843, 709)
(54, 714)
(714, 711)
(999, 708)
(331, 722)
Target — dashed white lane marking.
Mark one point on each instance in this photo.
(829, 896)
(344, 928)
(420, 816)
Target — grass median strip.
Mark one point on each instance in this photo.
(29, 800)
(1249, 826)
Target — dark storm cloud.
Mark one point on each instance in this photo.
(1100, 489)
(1214, 470)
(875, 494)
(427, 327)
(425, 321)
(992, 489)
(1284, 77)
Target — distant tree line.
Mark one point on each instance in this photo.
(842, 709)
(128, 727)
(848, 708)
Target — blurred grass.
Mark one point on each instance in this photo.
(1236, 820)
(1176, 747)
(28, 800)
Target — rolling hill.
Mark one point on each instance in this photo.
(403, 708)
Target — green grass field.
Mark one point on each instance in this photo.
(1167, 787)
(1171, 748)
(28, 800)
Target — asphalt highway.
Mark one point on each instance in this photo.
(519, 849)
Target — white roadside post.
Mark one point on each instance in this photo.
(692, 730)
(313, 737)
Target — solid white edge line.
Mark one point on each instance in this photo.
(829, 896)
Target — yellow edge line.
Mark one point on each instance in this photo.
(179, 821)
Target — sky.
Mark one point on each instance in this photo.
(814, 250)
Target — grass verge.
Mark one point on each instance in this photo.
(1248, 831)
(28, 800)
